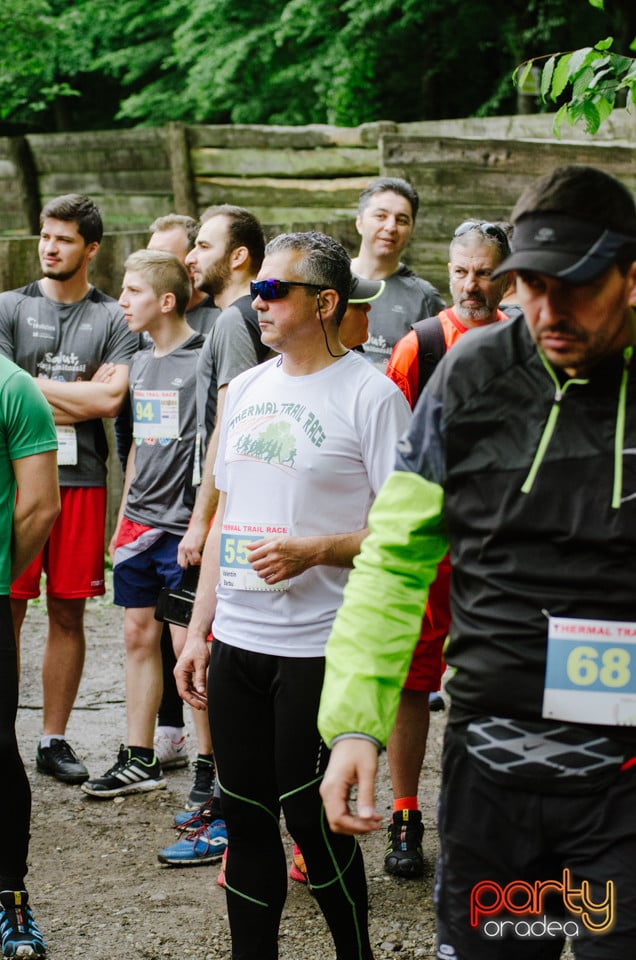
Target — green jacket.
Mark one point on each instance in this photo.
(376, 629)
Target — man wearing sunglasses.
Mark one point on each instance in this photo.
(305, 444)
(520, 456)
(386, 218)
(476, 251)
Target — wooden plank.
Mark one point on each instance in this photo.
(262, 135)
(272, 192)
(137, 182)
(275, 162)
(141, 149)
(185, 200)
(529, 158)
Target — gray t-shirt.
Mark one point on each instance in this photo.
(406, 298)
(201, 318)
(162, 393)
(229, 349)
(68, 341)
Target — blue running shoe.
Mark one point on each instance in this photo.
(207, 844)
(19, 933)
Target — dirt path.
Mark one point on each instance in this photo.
(97, 888)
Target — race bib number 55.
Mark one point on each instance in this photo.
(591, 671)
(236, 570)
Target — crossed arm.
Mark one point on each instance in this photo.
(87, 399)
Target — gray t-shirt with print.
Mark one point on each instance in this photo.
(406, 298)
(69, 342)
(162, 393)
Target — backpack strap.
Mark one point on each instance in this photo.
(431, 347)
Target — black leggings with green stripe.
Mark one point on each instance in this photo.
(269, 756)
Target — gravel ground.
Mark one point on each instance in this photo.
(95, 883)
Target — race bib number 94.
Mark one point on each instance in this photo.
(236, 570)
(591, 671)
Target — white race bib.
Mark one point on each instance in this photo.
(236, 570)
(591, 671)
(156, 414)
(66, 446)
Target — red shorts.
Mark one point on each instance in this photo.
(73, 556)
(427, 664)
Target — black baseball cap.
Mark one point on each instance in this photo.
(572, 223)
(565, 247)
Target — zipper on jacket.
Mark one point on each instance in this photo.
(550, 425)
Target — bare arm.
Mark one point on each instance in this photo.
(279, 558)
(36, 508)
(191, 669)
(191, 546)
(86, 399)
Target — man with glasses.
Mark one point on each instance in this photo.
(520, 456)
(476, 251)
(386, 218)
(305, 444)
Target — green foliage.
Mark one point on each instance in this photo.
(587, 81)
(591, 76)
(108, 62)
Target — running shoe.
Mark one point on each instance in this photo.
(169, 752)
(207, 844)
(203, 786)
(404, 856)
(19, 933)
(298, 869)
(59, 760)
(129, 775)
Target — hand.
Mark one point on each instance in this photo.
(281, 557)
(353, 762)
(190, 549)
(111, 547)
(191, 670)
(104, 373)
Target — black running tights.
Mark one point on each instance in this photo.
(269, 756)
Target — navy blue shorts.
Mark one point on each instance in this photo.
(139, 579)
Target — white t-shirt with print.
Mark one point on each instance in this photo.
(302, 456)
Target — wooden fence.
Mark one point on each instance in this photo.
(290, 177)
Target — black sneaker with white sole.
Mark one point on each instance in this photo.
(129, 775)
(203, 786)
(59, 760)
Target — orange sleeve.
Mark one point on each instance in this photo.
(403, 367)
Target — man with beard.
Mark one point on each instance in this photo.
(476, 250)
(74, 341)
(520, 458)
(226, 257)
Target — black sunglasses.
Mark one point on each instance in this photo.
(277, 289)
(487, 229)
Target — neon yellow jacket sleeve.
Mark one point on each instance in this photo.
(370, 647)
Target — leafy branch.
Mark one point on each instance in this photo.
(592, 79)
